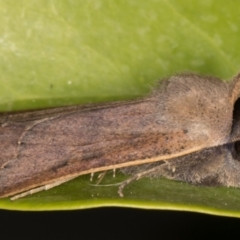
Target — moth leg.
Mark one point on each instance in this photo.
(137, 176)
(42, 188)
(91, 176)
(100, 177)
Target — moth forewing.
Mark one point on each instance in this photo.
(70, 144)
(178, 118)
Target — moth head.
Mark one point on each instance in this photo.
(234, 93)
(236, 151)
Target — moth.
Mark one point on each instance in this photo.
(186, 129)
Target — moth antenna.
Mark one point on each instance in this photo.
(41, 188)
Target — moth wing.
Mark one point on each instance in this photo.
(38, 152)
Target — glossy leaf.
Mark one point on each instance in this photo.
(62, 52)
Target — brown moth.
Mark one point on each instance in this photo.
(187, 129)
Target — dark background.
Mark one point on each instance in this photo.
(115, 223)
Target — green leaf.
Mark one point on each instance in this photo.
(62, 52)
(144, 193)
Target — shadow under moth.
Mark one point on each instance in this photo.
(187, 129)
